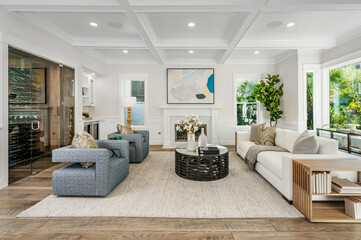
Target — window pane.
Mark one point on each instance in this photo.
(137, 114)
(345, 95)
(246, 103)
(138, 90)
(246, 113)
(309, 100)
(245, 91)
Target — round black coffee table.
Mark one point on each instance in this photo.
(190, 165)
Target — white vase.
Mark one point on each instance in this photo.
(202, 139)
(191, 142)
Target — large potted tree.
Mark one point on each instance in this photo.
(269, 93)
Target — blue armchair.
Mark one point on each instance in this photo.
(111, 167)
(138, 144)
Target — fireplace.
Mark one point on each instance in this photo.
(182, 136)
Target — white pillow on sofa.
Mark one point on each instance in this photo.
(305, 144)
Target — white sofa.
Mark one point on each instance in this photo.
(276, 167)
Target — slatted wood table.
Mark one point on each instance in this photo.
(190, 165)
(302, 190)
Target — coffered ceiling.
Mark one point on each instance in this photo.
(224, 31)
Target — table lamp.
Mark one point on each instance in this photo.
(129, 102)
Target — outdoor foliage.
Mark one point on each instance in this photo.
(345, 95)
(310, 101)
(269, 95)
(246, 103)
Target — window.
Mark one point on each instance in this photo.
(135, 88)
(309, 93)
(246, 103)
(345, 95)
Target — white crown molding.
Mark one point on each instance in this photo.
(349, 36)
(62, 8)
(287, 44)
(251, 61)
(285, 55)
(130, 61)
(191, 61)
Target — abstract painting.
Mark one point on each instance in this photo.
(190, 85)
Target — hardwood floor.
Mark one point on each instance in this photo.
(27, 192)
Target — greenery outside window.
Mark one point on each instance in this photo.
(309, 93)
(246, 103)
(345, 95)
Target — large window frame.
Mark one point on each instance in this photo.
(125, 77)
(238, 77)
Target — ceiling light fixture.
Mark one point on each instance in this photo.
(125, 51)
(191, 24)
(256, 52)
(291, 24)
(93, 24)
(190, 51)
(275, 24)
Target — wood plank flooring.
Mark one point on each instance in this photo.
(27, 192)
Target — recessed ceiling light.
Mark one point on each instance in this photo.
(125, 51)
(93, 24)
(291, 24)
(256, 52)
(190, 51)
(274, 24)
(115, 25)
(191, 24)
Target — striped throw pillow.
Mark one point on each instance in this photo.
(266, 136)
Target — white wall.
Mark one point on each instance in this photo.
(288, 71)
(107, 93)
(18, 33)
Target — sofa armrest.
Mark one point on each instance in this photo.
(69, 154)
(121, 145)
(287, 167)
(129, 137)
(144, 133)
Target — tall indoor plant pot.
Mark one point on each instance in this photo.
(269, 94)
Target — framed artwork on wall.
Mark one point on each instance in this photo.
(190, 85)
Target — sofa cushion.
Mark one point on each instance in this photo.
(327, 146)
(243, 146)
(280, 139)
(290, 139)
(266, 136)
(305, 144)
(254, 131)
(272, 161)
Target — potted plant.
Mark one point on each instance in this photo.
(191, 125)
(269, 94)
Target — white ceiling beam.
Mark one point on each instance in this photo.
(287, 44)
(157, 53)
(312, 7)
(191, 43)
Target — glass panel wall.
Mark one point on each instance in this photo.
(41, 106)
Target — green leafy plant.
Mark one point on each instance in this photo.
(269, 94)
(85, 114)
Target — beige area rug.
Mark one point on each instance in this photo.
(152, 189)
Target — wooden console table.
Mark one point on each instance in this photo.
(302, 190)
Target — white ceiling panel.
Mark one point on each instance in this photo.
(119, 54)
(77, 24)
(197, 53)
(208, 25)
(311, 25)
(262, 54)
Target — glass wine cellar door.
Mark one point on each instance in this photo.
(41, 106)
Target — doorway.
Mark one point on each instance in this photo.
(41, 112)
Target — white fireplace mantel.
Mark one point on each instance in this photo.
(173, 113)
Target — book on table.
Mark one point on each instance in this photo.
(353, 207)
(208, 151)
(343, 185)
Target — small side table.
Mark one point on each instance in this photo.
(302, 190)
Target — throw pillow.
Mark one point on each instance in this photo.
(254, 130)
(266, 135)
(305, 144)
(85, 140)
(125, 129)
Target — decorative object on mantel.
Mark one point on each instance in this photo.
(269, 95)
(190, 85)
(129, 102)
(202, 140)
(191, 125)
(86, 116)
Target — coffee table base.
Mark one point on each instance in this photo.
(201, 168)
